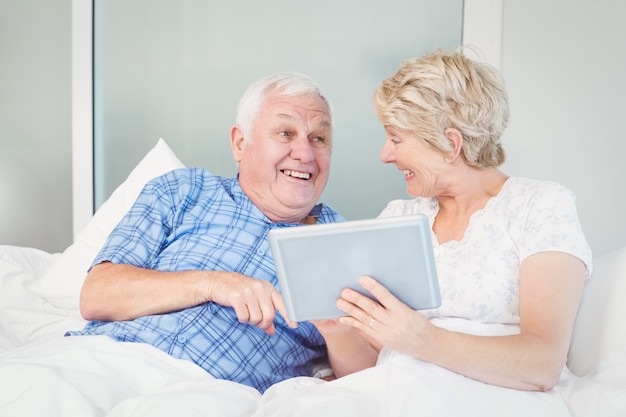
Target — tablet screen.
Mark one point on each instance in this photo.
(314, 263)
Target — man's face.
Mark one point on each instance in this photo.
(284, 164)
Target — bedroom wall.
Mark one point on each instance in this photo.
(35, 123)
(563, 62)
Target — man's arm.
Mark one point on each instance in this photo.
(124, 292)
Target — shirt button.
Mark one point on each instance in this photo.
(261, 251)
(181, 338)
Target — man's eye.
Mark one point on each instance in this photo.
(319, 141)
(284, 136)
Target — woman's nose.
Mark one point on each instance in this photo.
(387, 153)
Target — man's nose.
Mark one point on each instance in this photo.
(302, 149)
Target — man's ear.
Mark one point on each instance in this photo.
(237, 142)
(456, 141)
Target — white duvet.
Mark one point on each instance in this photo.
(43, 373)
(95, 376)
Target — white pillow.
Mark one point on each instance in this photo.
(61, 283)
(600, 328)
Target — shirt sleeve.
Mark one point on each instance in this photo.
(142, 232)
(552, 224)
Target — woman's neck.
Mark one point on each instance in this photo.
(466, 198)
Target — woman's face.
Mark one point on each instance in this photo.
(423, 167)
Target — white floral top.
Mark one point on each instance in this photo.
(479, 276)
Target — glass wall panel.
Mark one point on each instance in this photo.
(176, 69)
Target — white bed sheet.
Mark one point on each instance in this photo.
(44, 374)
(25, 317)
(96, 376)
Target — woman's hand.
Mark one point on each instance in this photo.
(388, 322)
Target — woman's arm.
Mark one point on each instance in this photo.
(551, 286)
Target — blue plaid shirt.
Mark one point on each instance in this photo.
(190, 219)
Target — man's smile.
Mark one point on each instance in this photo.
(296, 174)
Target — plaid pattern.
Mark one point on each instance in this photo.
(190, 219)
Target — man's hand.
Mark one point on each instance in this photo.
(255, 301)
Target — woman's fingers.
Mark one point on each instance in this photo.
(382, 294)
(383, 298)
(366, 313)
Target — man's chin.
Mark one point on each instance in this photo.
(297, 198)
(298, 208)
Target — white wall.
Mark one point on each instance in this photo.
(565, 66)
(563, 61)
(35, 116)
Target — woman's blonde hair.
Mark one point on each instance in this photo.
(448, 90)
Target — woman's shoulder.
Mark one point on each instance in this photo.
(548, 217)
(531, 184)
(529, 189)
(405, 207)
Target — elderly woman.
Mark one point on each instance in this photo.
(510, 253)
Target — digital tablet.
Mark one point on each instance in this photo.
(314, 263)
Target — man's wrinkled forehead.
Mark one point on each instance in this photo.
(321, 118)
(292, 107)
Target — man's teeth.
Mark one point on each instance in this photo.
(407, 172)
(301, 175)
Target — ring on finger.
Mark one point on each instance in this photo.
(371, 323)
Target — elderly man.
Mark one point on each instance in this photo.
(188, 269)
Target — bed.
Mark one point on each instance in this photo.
(42, 374)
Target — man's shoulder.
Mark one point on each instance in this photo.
(191, 175)
(191, 184)
(326, 214)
